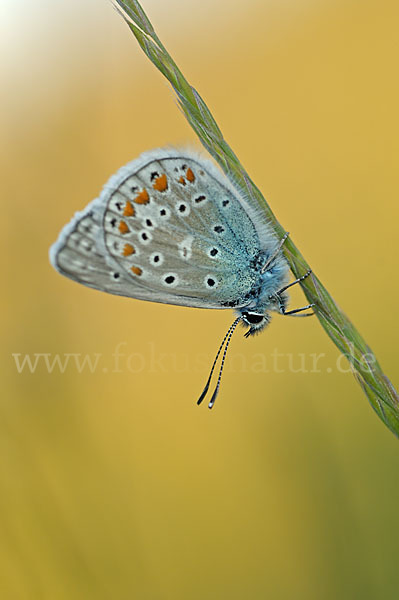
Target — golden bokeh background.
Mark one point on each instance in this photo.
(114, 484)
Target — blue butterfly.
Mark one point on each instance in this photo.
(169, 227)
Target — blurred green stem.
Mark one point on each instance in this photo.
(380, 392)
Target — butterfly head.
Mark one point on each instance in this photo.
(257, 317)
(256, 321)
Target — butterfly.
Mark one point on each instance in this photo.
(170, 227)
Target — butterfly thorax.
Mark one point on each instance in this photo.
(264, 296)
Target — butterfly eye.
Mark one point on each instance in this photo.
(252, 318)
(256, 322)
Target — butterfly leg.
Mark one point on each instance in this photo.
(275, 253)
(293, 313)
(283, 299)
(296, 281)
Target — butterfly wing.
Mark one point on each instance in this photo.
(166, 228)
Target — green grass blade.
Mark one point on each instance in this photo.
(377, 387)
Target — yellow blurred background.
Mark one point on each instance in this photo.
(113, 483)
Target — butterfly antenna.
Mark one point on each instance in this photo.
(206, 388)
(229, 334)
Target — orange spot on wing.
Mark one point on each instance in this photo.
(129, 210)
(182, 180)
(136, 270)
(123, 228)
(142, 198)
(190, 175)
(161, 183)
(128, 250)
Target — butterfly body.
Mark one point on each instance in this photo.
(169, 227)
